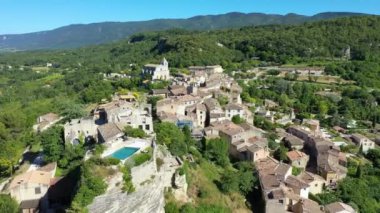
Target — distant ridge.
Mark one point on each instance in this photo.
(79, 35)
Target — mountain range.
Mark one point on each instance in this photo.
(79, 35)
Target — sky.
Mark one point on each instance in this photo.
(22, 16)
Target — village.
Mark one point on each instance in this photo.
(208, 102)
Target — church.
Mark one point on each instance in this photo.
(157, 71)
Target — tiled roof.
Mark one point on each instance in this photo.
(159, 91)
(109, 130)
(39, 177)
(295, 182)
(295, 155)
(339, 207)
(293, 140)
(233, 106)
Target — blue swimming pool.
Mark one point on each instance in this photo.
(124, 153)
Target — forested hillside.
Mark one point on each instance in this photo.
(345, 42)
(79, 35)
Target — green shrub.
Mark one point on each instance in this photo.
(134, 132)
(113, 161)
(8, 204)
(296, 171)
(159, 163)
(127, 179)
(142, 157)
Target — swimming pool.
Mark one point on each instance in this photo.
(124, 153)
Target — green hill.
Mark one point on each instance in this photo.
(98, 33)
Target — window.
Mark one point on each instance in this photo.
(281, 201)
(147, 127)
(316, 185)
(37, 190)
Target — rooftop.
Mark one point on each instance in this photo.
(295, 155)
(109, 130)
(339, 207)
(38, 177)
(295, 182)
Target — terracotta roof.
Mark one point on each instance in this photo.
(295, 155)
(227, 127)
(48, 167)
(233, 106)
(307, 206)
(39, 177)
(339, 207)
(109, 130)
(295, 182)
(308, 177)
(179, 91)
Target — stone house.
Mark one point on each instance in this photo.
(293, 142)
(316, 182)
(245, 141)
(125, 113)
(363, 142)
(30, 189)
(298, 185)
(298, 159)
(77, 128)
(233, 109)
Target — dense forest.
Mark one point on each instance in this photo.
(319, 43)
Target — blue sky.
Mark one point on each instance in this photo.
(20, 16)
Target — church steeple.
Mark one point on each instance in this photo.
(164, 62)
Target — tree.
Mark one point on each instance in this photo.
(8, 204)
(237, 119)
(70, 109)
(134, 132)
(223, 100)
(374, 156)
(167, 133)
(189, 140)
(6, 167)
(52, 143)
(217, 151)
(229, 182)
(247, 180)
(280, 153)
